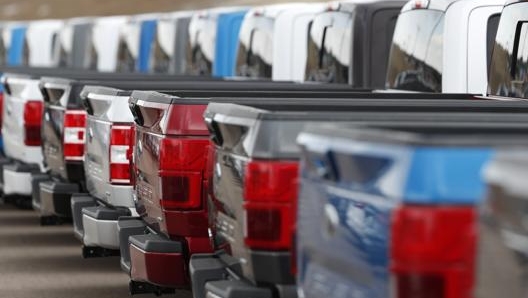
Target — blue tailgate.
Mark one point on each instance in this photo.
(349, 193)
(227, 43)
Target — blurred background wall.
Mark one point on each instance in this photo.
(40, 9)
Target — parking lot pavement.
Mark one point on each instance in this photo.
(46, 262)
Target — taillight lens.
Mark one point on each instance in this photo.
(270, 192)
(32, 122)
(433, 251)
(74, 134)
(121, 142)
(182, 165)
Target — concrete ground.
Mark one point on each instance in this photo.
(46, 262)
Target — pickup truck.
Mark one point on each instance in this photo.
(350, 43)
(179, 228)
(168, 51)
(443, 46)
(135, 43)
(395, 213)
(252, 204)
(64, 135)
(201, 46)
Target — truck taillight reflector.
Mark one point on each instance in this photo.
(121, 142)
(74, 134)
(270, 192)
(182, 165)
(433, 251)
(32, 122)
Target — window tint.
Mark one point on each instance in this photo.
(329, 48)
(255, 60)
(509, 64)
(94, 57)
(25, 52)
(493, 25)
(415, 61)
(201, 46)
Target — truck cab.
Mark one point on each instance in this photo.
(289, 47)
(227, 31)
(168, 50)
(74, 43)
(104, 43)
(14, 36)
(349, 43)
(255, 46)
(201, 46)
(429, 54)
(135, 43)
(41, 38)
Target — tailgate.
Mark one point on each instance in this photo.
(55, 101)
(503, 242)
(21, 90)
(105, 110)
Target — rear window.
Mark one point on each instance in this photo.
(254, 58)
(509, 64)
(493, 25)
(415, 61)
(329, 48)
(160, 60)
(201, 48)
(125, 60)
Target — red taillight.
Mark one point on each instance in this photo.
(433, 251)
(182, 164)
(74, 134)
(32, 122)
(270, 192)
(121, 142)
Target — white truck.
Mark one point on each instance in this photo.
(42, 41)
(443, 45)
(105, 41)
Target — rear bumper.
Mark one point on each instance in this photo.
(100, 226)
(36, 179)
(78, 202)
(126, 227)
(55, 198)
(157, 261)
(16, 178)
(219, 274)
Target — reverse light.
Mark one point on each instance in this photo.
(420, 4)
